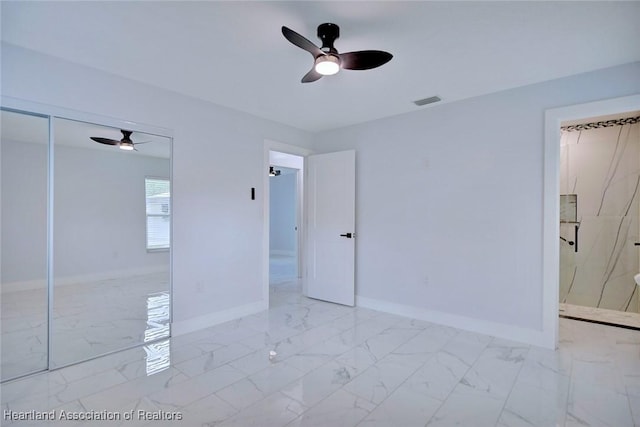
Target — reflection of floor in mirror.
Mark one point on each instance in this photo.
(601, 315)
(23, 324)
(348, 366)
(90, 319)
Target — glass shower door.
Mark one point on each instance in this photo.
(600, 201)
(23, 279)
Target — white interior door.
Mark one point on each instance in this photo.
(331, 227)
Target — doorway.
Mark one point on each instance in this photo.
(551, 202)
(286, 172)
(325, 224)
(599, 216)
(283, 225)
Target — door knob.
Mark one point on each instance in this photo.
(347, 235)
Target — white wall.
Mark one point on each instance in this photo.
(449, 203)
(282, 218)
(449, 196)
(217, 235)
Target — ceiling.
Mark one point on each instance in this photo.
(233, 53)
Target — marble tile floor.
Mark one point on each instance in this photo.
(342, 366)
(602, 315)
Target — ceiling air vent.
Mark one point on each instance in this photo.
(425, 101)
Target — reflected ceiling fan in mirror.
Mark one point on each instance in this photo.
(326, 59)
(124, 144)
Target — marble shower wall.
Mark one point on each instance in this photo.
(601, 166)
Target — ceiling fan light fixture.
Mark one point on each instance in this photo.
(327, 65)
(125, 145)
(327, 60)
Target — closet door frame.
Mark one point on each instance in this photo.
(52, 112)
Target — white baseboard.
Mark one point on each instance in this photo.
(182, 327)
(282, 252)
(500, 330)
(24, 285)
(27, 285)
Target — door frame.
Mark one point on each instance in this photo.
(551, 203)
(271, 145)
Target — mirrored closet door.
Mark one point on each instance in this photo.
(86, 241)
(23, 273)
(112, 210)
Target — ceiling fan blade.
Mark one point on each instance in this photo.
(301, 42)
(364, 59)
(142, 142)
(311, 76)
(106, 141)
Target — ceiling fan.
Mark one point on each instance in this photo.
(124, 144)
(327, 60)
(274, 172)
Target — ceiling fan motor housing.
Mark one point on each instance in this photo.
(126, 135)
(328, 33)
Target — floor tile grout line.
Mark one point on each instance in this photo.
(515, 380)
(419, 367)
(463, 375)
(280, 390)
(228, 362)
(403, 382)
(570, 390)
(256, 350)
(308, 373)
(406, 379)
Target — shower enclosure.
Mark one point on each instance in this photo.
(599, 215)
(85, 245)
